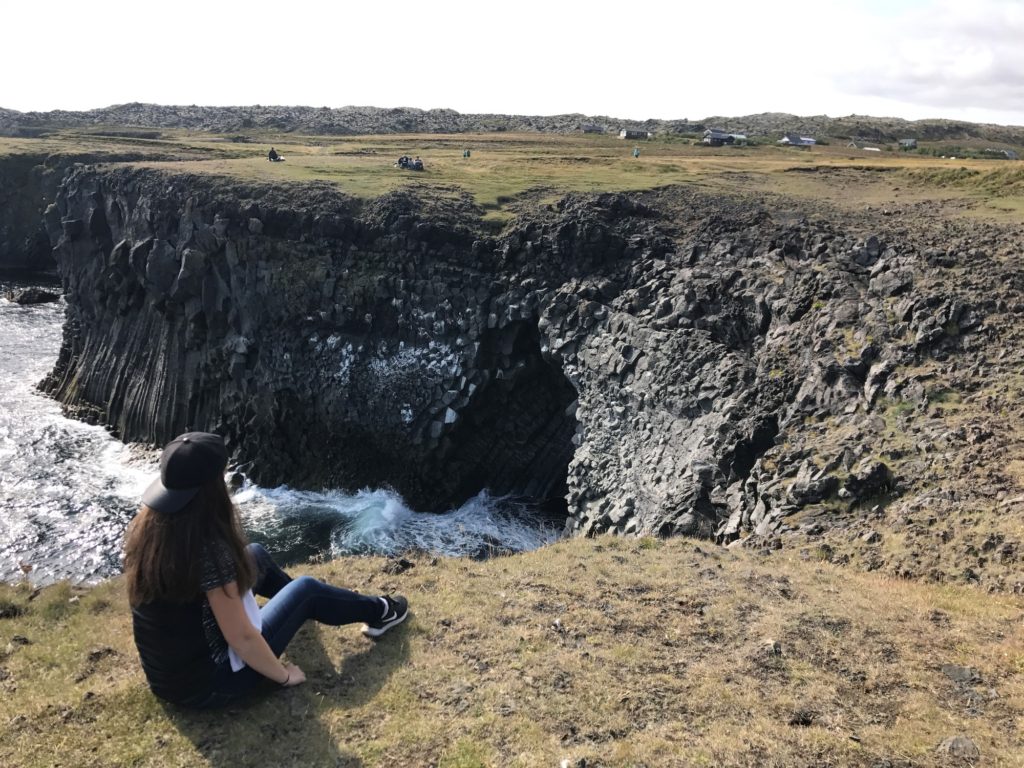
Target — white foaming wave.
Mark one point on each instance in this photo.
(379, 521)
(131, 473)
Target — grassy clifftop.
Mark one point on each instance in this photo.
(508, 169)
(602, 652)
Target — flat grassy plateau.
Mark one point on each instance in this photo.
(506, 169)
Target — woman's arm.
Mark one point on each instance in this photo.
(226, 604)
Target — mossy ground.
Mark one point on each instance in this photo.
(618, 652)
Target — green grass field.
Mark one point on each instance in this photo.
(505, 167)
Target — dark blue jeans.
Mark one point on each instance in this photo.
(292, 602)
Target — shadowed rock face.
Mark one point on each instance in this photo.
(28, 183)
(663, 362)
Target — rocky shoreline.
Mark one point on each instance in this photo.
(664, 362)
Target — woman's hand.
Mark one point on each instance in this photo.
(295, 676)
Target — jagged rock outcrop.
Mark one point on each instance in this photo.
(28, 185)
(665, 362)
(31, 296)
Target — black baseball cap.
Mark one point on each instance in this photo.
(187, 463)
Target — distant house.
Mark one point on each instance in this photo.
(626, 133)
(908, 143)
(716, 137)
(796, 140)
(591, 128)
(1008, 154)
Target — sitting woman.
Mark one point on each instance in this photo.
(202, 638)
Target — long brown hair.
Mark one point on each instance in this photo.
(163, 554)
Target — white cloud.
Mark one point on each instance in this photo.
(949, 57)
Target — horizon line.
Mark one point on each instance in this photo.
(499, 114)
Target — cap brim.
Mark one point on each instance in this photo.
(167, 500)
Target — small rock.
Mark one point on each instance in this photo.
(960, 747)
(873, 246)
(869, 479)
(34, 296)
(397, 566)
(100, 653)
(772, 648)
(960, 674)
(802, 718)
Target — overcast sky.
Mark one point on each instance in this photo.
(905, 58)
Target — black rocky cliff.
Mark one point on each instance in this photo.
(663, 363)
(28, 184)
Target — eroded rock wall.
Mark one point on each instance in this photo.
(665, 363)
(332, 344)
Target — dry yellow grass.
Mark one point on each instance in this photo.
(504, 166)
(616, 652)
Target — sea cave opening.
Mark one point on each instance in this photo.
(516, 437)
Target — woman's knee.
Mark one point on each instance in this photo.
(306, 582)
(257, 551)
(258, 554)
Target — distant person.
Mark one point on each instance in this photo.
(272, 155)
(417, 163)
(465, 153)
(636, 152)
(202, 639)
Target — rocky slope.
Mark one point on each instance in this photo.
(665, 362)
(367, 120)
